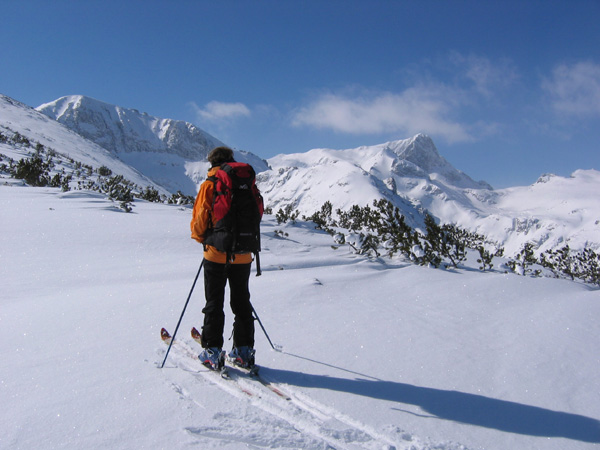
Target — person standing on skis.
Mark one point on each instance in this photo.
(221, 268)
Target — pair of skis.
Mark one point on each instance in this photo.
(252, 372)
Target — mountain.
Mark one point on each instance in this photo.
(412, 174)
(170, 152)
(16, 117)
(123, 130)
(552, 212)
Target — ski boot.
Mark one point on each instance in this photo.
(213, 358)
(242, 357)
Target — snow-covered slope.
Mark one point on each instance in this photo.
(411, 173)
(170, 152)
(551, 213)
(375, 354)
(37, 127)
(122, 130)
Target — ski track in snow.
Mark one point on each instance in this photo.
(300, 422)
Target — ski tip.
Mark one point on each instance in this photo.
(164, 334)
(196, 335)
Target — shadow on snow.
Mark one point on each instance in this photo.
(470, 409)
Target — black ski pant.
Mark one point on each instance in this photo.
(216, 277)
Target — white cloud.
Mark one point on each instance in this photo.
(219, 111)
(575, 89)
(472, 84)
(486, 75)
(417, 109)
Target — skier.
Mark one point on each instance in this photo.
(218, 270)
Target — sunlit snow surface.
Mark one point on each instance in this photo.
(374, 354)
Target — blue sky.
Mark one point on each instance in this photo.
(508, 90)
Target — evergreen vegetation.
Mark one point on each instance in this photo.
(381, 230)
(287, 214)
(564, 263)
(34, 171)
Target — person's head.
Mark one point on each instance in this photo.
(220, 155)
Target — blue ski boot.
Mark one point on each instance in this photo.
(213, 358)
(242, 357)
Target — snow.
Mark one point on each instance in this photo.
(17, 117)
(123, 130)
(410, 173)
(162, 149)
(551, 213)
(376, 354)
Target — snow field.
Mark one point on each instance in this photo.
(375, 354)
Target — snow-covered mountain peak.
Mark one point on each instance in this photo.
(123, 130)
(410, 173)
(415, 177)
(16, 117)
(419, 150)
(403, 163)
(171, 152)
(419, 155)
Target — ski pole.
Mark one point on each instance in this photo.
(182, 313)
(263, 328)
